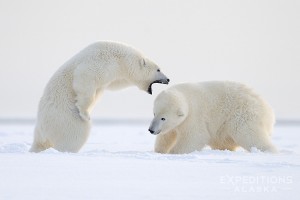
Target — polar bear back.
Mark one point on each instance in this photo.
(218, 102)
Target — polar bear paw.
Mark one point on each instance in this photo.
(85, 116)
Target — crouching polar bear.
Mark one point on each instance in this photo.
(223, 115)
(63, 120)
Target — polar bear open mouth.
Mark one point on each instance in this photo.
(162, 81)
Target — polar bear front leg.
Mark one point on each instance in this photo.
(86, 91)
(164, 143)
(82, 104)
(187, 143)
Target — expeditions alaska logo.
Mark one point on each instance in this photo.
(250, 184)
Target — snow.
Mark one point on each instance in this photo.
(118, 162)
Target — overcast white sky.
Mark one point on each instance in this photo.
(256, 42)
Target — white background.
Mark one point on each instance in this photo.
(255, 42)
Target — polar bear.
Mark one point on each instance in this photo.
(221, 114)
(63, 120)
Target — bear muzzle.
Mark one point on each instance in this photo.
(153, 132)
(161, 81)
(150, 131)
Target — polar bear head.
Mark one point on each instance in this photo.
(144, 73)
(170, 110)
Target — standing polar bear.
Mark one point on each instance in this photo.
(221, 114)
(63, 120)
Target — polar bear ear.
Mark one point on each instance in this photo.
(180, 113)
(143, 62)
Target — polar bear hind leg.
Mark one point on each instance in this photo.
(39, 145)
(70, 135)
(249, 137)
(66, 132)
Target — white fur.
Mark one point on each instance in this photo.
(63, 120)
(223, 115)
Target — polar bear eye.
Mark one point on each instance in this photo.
(163, 119)
(158, 70)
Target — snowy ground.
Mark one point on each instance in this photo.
(118, 163)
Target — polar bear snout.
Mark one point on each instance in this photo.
(163, 81)
(151, 131)
(155, 127)
(160, 78)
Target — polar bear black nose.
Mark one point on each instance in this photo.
(168, 80)
(150, 130)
